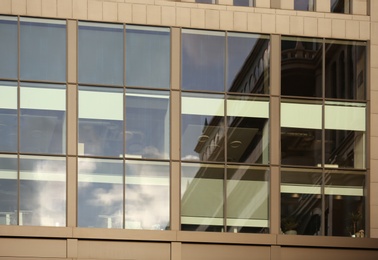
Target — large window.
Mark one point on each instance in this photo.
(304, 5)
(340, 6)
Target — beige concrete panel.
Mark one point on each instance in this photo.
(374, 233)
(34, 7)
(364, 30)
(19, 7)
(275, 67)
(125, 13)
(374, 124)
(275, 198)
(275, 4)
(64, 8)
(227, 20)
(225, 2)
(71, 192)
(275, 148)
(139, 13)
(231, 238)
(140, 1)
(323, 6)
(154, 14)
(168, 15)
(268, 23)
(175, 196)
(359, 7)
(176, 251)
(197, 18)
(296, 25)
(310, 26)
(183, 17)
(6, 6)
(175, 125)
(262, 3)
(373, 13)
(224, 252)
(338, 28)
(288, 12)
(212, 19)
(324, 27)
(374, 101)
(326, 254)
(32, 247)
(95, 10)
(34, 231)
(80, 9)
(374, 200)
(287, 4)
(240, 21)
(164, 2)
(123, 250)
(374, 148)
(268, 10)
(352, 29)
(71, 54)
(175, 60)
(72, 245)
(283, 24)
(254, 22)
(374, 33)
(49, 8)
(110, 12)
(374, 171)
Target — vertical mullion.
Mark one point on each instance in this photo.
(225, 125)
(18, 117)
(323, 197)
(124, 130)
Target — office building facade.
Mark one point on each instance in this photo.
(160, 129)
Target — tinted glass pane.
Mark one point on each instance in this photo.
(8, 116)
(100, 121)
(345, 70)
(202, 130)
(43, 49)
(205, 1)
(100, 53)
(100, 193)
(42, 191)
(43, 118)
(247, 200)
(301, 67)
(147, 195)
(243, 3)
(8, 47)
(203, 60)
(340, 6)
(301, 202)
(304, 5)
(202, 197)
(248, 63)
(147, 124)
(148, 56)
(8, 190)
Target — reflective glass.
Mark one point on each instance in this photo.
(345, 203)
(340, 6)
(8, 190)
(202, 130)
(301, 202)
(100, 193)
(8, 47)
(42, 191)
(247, 200)
(301, 67)
(205, 1)
(148, 56)
(244, 3)
(203, 60)
(42, 49)
(345, 70)
(42, 118)
(202, 197)
(8, 116)
(304, 5)
(147, 195)
(100, 121)
(100, 53)
(147, 124)
(248, 63)
(248, 130)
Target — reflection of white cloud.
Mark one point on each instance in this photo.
(107, 197)
(190, 157)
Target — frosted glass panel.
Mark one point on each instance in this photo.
(202, 106)
(345, 118)
(244, 108)
(301, 116)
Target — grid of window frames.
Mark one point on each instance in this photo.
(224, 131)
(323, 136)
(32, 121)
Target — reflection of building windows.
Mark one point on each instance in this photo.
(304, 5)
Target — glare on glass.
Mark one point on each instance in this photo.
(8, 50)
(8, 190)
(8, 116)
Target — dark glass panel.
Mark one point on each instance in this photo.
(8, 190)
(8, 47)
(340, 6)
(244, 2)
(304, 5)
(205, 1)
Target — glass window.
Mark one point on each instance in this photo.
(248, 63)
(42, 118)
(340, 6)
(304, 5)
(206, 1)
(100, 121)
(100, 53)
(147, 195)
(203, 60)
(345, 70)
(147, 56)
(8, 116)
(42, 49)
(100, 193)
(147, 124)
(244, 2)
(8, 47)
(42, 191)
(8, 189)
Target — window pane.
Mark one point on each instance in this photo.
(100, 53)
(42, 49)
(247, 200)
(147, 195)
(340, 6)
(345, 70)
(202, 197)
(8, 190)
(147, 56)
(8, 117)
(202, 131)
(147, 124)
(301, 202)
(42, 191)
(43, 118)
(8, 47)
(301, 67)
(248, 130)
(248, 63)
(205, 1)
(244, 2)
(203, 60)
(304, 5)
(100, 121)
